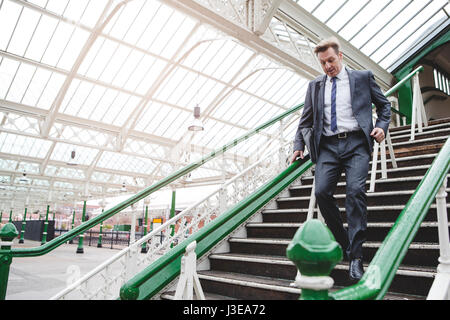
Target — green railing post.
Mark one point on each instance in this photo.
(10, 215)
(7, 235)
(145, 225)
(1, 216)
(24, 223)
(44, 234)
(315, 253)
(172, 214)
(99, 243)
(80, 238)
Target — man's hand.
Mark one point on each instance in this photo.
(378, 134)
(297, 154)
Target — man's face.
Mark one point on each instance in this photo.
(331, 62)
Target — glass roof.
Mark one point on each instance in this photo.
(381, 29)
(115, 84)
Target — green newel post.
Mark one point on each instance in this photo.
(172, 214)
(80, 239)
(145, 224)
(100, 235)
(10, 215)
(7, 235)
(315, 253)
(24, 223)
(44, 233)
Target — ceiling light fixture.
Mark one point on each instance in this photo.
(196, 124)
(72, 161)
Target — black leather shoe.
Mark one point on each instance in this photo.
(356, 270)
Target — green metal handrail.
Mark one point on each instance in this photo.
(378, 276)
(49, 246)
(167, 267)
(161, 272)
(6, 251)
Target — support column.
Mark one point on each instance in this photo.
(144, 248)
(172, 214)
(7, 235)
(44, 233)
(100, 235)
(80, 248)
(133, 224)
(24, 223)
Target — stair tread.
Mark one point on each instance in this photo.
(369, 194)
(369, 208)
(378, 181)
(424, 224)
(249, 280)
(369, 244)
(170, 295)
(272, 259)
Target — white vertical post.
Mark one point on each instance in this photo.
(418, 110)
(133, 224)
(444, 245)
(440, 290)
(189, 281)
(391, 149)
(373, 172)
(312, 201)
(394, 104)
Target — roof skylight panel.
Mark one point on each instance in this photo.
(401, 20)
(178, 128)
(24, 146)
(121, 162)
(346, 13)
(83, 155)
(362, 18)
(390, 58)
(119, 111)
(20, 83)
(381, 19)
(9, 16)
(327, 9)
(23, 31)
(411, 32)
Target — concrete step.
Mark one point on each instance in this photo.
(419, 254)
(377, 213)
(247, 287)
(389, 184)
(432, 125)
(400, 172)
(373, 198)
(426, 134)
(376, 231)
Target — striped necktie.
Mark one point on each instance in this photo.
(333, 105)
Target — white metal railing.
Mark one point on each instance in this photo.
(105, 280)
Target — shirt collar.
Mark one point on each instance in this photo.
(342, 74)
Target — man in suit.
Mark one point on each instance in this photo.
(338, 106)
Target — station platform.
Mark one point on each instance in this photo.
(39, 278)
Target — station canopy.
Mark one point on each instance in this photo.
(96, 96)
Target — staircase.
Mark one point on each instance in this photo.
(252, 263)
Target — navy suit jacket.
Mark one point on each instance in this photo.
(364, 91)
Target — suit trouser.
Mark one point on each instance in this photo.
(349, 155)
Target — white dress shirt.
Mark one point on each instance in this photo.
(345, 119)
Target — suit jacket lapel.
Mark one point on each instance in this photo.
(352, 83)
(320, 103)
